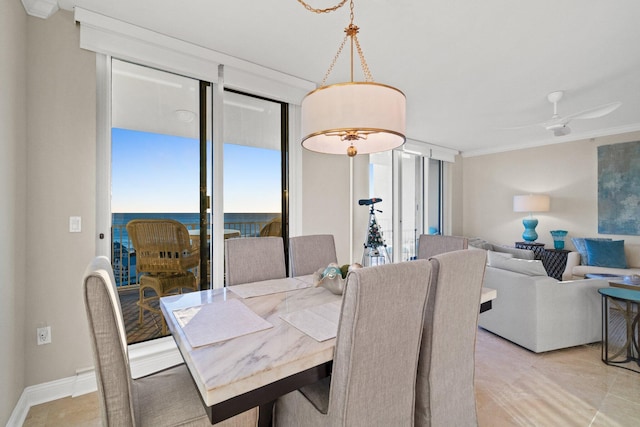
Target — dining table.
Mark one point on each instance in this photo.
(241, 367)
(246, 345)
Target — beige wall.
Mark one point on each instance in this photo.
(325, 200)
(567, 172)
(13, 175)
(61, 183)
(61, 165)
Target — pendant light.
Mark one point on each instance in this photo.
(352, 117)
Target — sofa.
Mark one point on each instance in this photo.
(578, 264)
(539, 312)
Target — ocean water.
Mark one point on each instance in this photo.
(191, 220)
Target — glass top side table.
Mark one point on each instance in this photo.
(626, 302)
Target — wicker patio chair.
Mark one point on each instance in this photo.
(272, 228)
(164, 258)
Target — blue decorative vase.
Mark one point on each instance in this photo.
(530, 234)
(558, 238)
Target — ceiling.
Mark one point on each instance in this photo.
(469, 69)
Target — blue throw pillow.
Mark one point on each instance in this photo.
(581, 247)
(604, 253)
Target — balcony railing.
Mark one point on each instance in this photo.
(123, 256)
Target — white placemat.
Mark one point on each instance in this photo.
(267, 287)
(308, 278)
(319, 322)
(218, 321)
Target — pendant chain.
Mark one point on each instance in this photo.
(351, 31)
(327, 10)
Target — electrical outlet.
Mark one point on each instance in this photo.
(44, 335)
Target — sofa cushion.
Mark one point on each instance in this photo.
(523, 266)
(606, 253)
(493, 256)
(478, 243)
(581, 247)
(580, 271)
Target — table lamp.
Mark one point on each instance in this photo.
(531, 203)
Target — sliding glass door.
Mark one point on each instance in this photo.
(410, 185)
(254, 174)
(156, 173)
(165, 166)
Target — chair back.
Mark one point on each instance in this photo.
(307, 254)
(444, 389)
(109, 343)
(430, 245)
(162, 246)
(252, 259)
(272, 228)
(378, 343)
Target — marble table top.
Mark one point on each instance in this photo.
(488, 294)
(230, 368)
(227, 369)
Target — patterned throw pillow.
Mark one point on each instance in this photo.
(479, 243)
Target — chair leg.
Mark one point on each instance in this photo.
(140, 306)
(164, 325)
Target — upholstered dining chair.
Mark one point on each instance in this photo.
(165, 258)
(166, 398)
(430, 245)
(307, 254)
(444, 388)
(375, 357)
(252, 259)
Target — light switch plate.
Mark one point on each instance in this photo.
(75, 224)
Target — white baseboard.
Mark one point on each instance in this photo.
(145, 358)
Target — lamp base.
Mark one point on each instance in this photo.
(530, 234)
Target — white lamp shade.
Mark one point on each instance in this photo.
(355, 106)
(531, 203)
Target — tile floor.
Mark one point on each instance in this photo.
(514, 387)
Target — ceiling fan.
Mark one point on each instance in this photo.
(558, 124)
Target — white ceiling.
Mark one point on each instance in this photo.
(469, 68)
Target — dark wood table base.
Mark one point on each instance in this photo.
(485, 306)
(264, 397)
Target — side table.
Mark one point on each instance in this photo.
(625, 301)
(555, 261)
(537, 248)
(625, 282)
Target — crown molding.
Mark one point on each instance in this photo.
(40, 8)
(599, 133)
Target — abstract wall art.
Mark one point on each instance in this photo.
(619, 189)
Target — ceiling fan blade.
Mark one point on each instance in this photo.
(595, 112)
(546, 124)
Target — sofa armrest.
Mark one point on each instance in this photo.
(573, 260)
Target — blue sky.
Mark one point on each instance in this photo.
(160, 173)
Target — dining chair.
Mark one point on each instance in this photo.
(164, 260)
(307, 254)
(166, 398)
(252, 259)
(375, 357)
(430, 245)
(444, 389)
